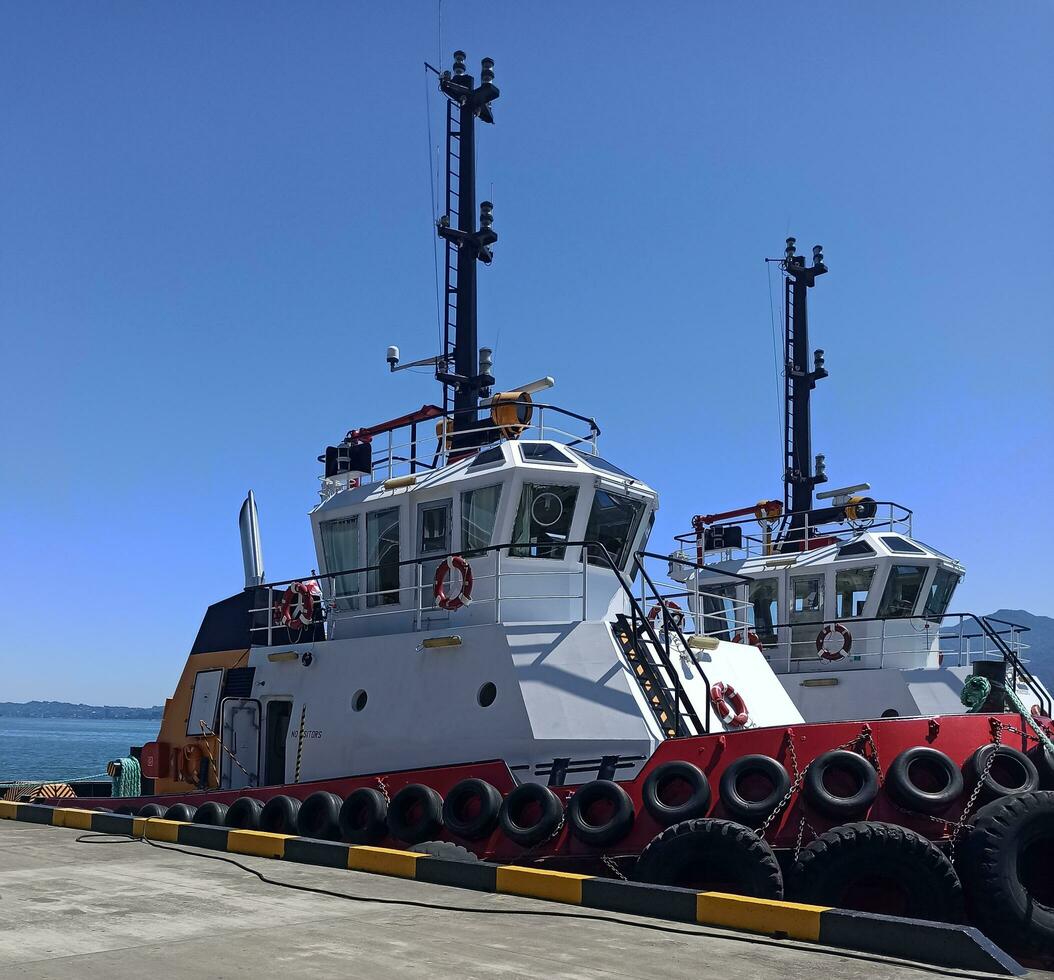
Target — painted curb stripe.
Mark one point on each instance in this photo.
(556, 886)
(383, 860)
(758, 915)
(939, 943)
(256, 843)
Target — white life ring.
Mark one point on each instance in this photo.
(833, 643)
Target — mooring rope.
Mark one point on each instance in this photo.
(127, 778)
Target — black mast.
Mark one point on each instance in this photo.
(799, 383)
(466, 244)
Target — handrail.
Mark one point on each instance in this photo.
(589, 548)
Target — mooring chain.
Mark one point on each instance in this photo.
(796, 783)
(610, 862)
(384, 790)
(997, 738)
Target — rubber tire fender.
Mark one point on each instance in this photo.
(829, 866)
(841, 806)
(905, 793)
(152, 810)
(990, 861)
(211, 813)
(753, 811)
(548, 823)
(660, 777)
(319, 816)
(737, 859)
(1043, 759)
(483, 823)
(244, 814)
(615, 827)
(364, 817)
(183, 812)
(992, 788)
(427, 825)
(446, 850)
(279, 815)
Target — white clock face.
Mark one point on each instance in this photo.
(546, 509)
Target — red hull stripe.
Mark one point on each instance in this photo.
(962, 947)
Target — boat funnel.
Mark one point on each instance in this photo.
(252, 555)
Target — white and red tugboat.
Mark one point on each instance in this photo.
(486, 659)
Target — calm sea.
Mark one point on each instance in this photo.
(66, 748)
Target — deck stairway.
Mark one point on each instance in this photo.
(648, 655)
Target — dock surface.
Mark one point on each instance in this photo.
(129, 909)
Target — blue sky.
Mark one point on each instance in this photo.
(214, 217)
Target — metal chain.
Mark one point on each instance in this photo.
(796, 783)
(613, 866)
(384, 789)
(997, 738)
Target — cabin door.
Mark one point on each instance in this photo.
(240, 755)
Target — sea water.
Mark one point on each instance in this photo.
(67, 748)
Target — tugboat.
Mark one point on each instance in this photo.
(487, 659)
(849, 608)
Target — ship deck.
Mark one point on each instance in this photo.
(89, 909)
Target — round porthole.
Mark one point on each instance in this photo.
(486, 695)
(358, 700)
(547, 509)
(891, 713)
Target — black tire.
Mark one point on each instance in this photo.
(244, 814)
(279, 815)
(615, 819)
(530, 814)
(446, 850)
(415, 814)
(759, 767)
(319, 816)
(126, 811)
(854, 779)
(213, 814)
(1005, 859)
(878, 867)
(924, 780)
(152, 810)
(1043, 759)
(364, 817)
(662, 783)
(1012, 771)
(471, 809)
(711, 855)
(183, 812)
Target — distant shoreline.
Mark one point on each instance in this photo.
(65, 709)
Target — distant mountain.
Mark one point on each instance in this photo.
(63, 709)
(1040, 640)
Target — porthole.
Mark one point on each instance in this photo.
(891, 713)
(358, 700)
(486, 695)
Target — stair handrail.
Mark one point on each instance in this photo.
(1018, 668)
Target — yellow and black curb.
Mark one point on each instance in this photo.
(938, 943)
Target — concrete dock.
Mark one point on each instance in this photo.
(129, 909)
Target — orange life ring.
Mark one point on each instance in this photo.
(464, 595)
(729, 705)
(750, 638)
(673, 611)
(297, 608)
(833, 643)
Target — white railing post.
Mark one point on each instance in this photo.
(270, 614)
(497, 585)
(585, 579)
(418, 586)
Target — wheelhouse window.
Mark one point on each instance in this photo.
(613, 523)
(479, 511)
(806, 610)
(851, 587)
(719, 610)
(433, 538)
(902, 590)
(764, 607)
(382, 555)
(940, 595)
(340, 551)
(543, 452)
(543, 521)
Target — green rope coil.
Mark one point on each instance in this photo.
(129, 781)
(975, 692)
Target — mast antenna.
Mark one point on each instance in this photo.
(458, 367)
(801, 471)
